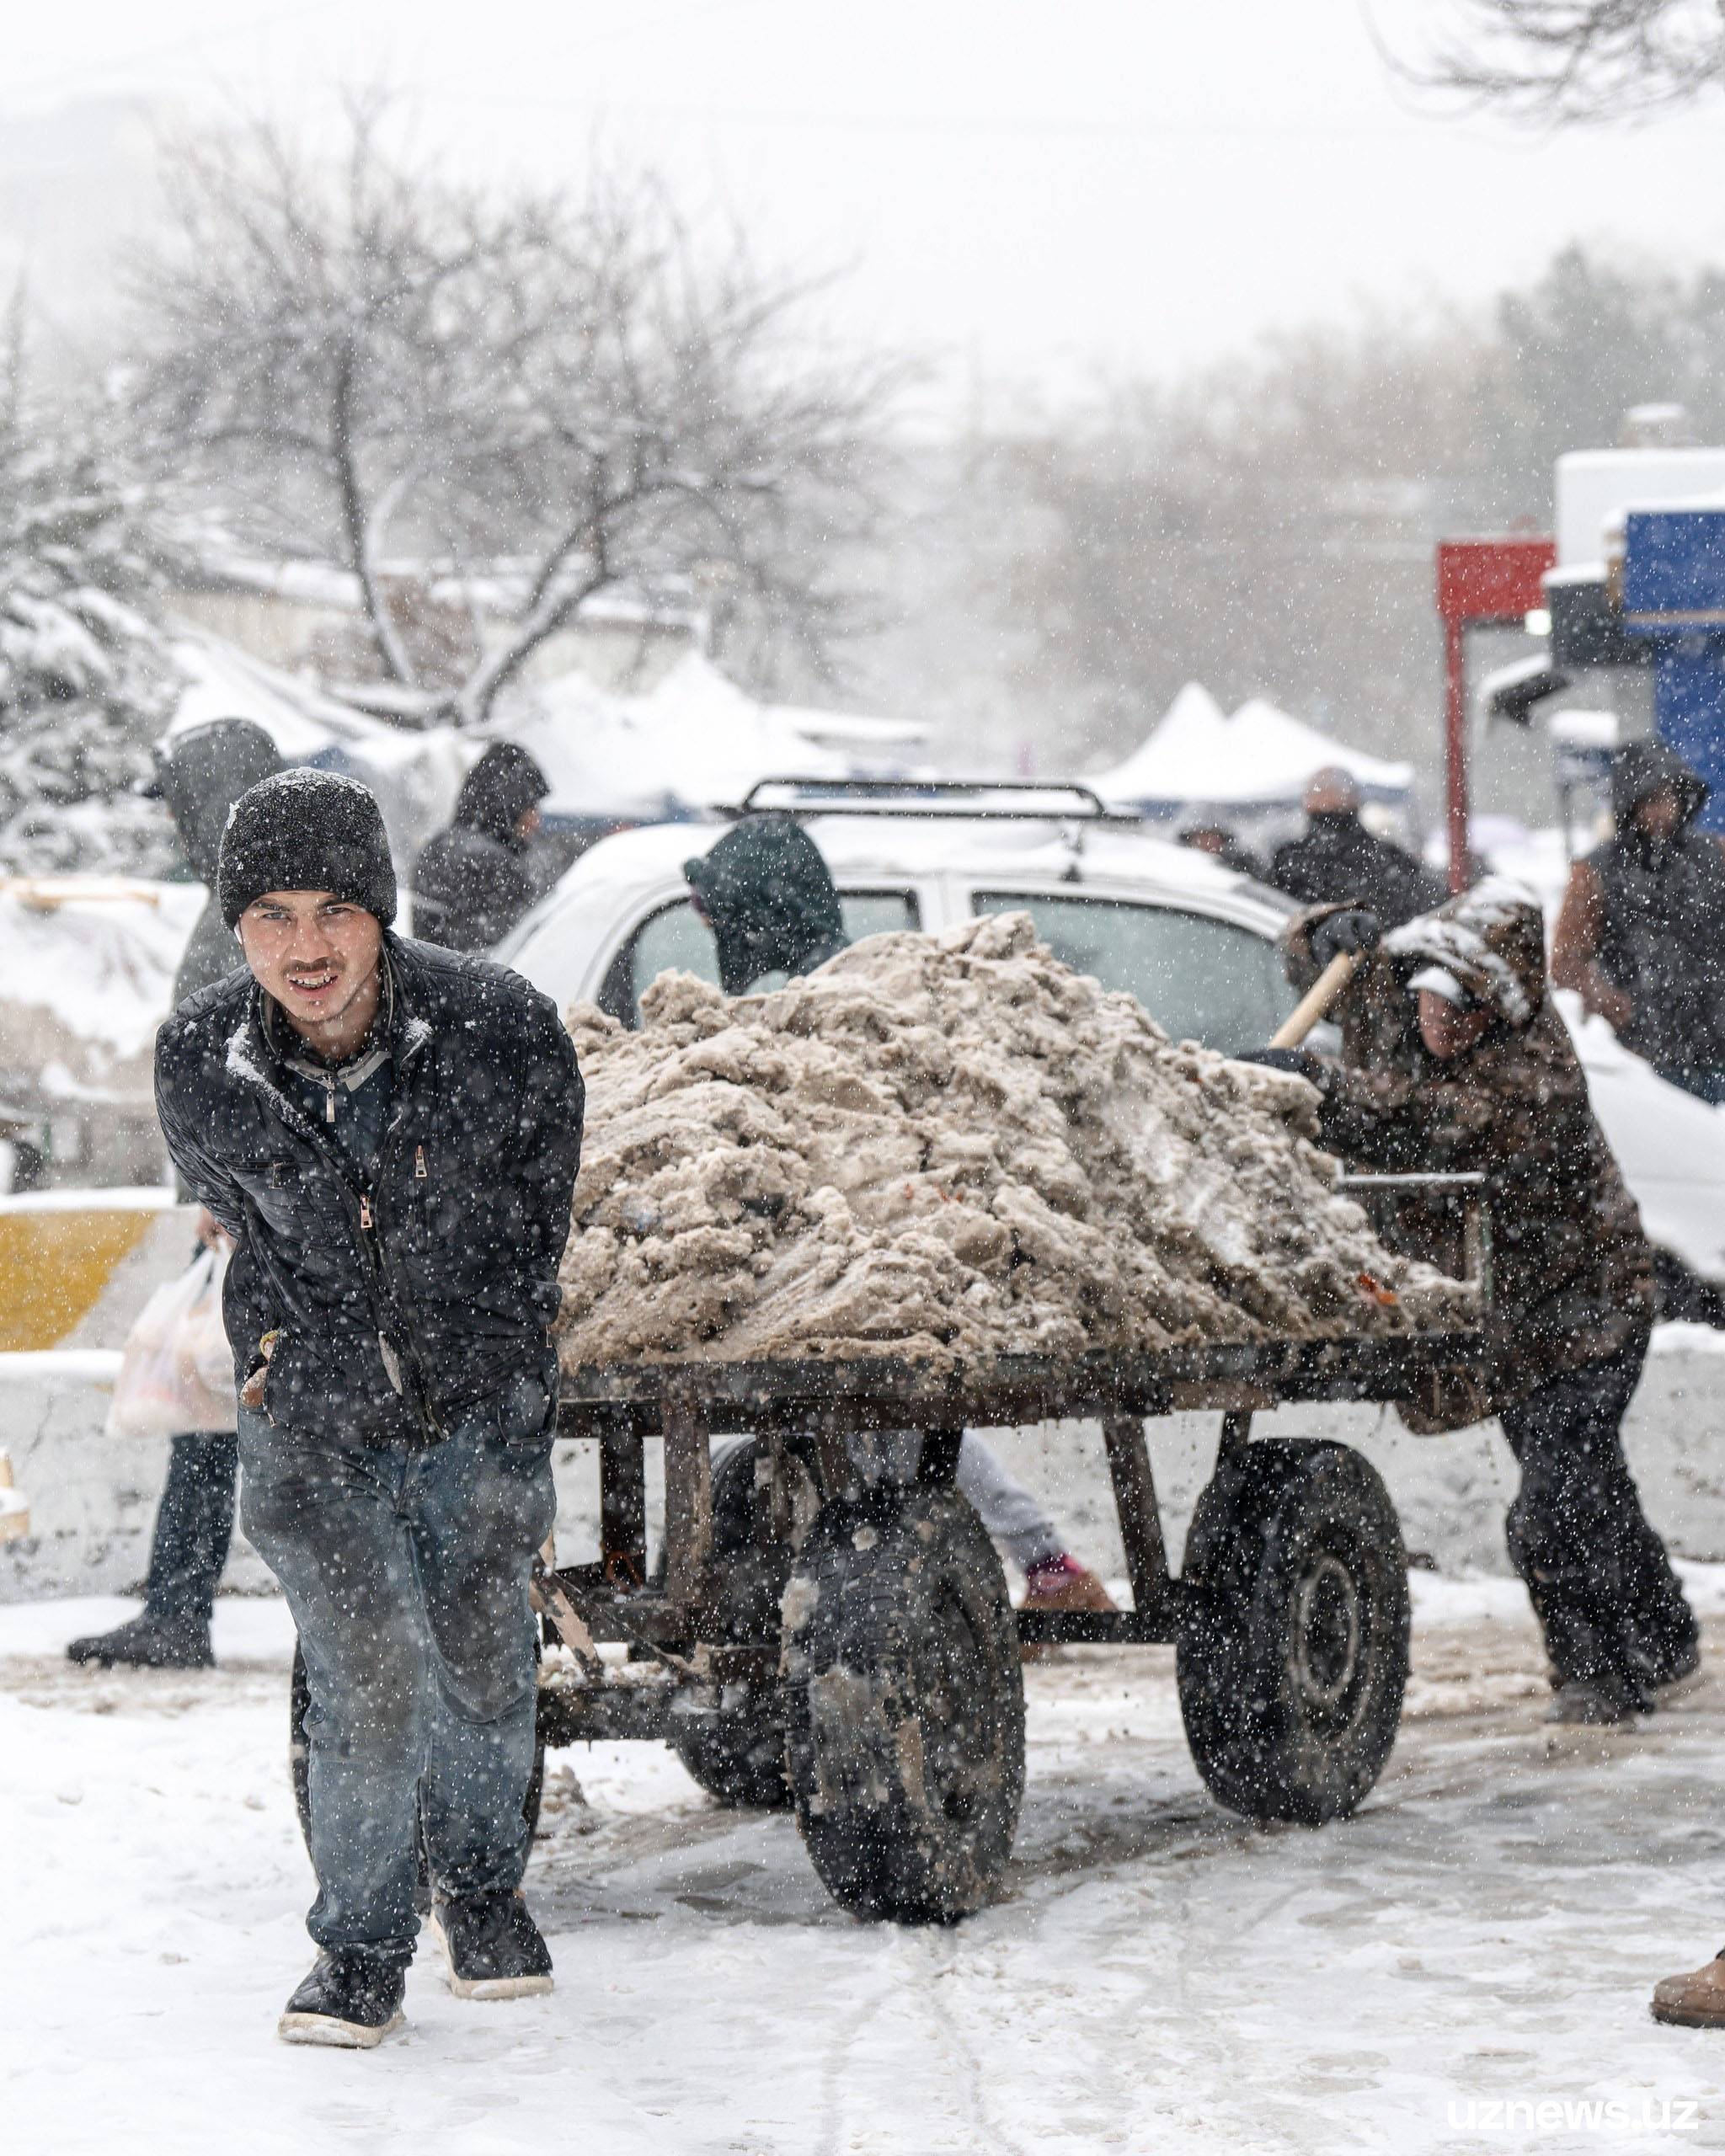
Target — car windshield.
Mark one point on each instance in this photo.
(1200, 978)
(676, 940)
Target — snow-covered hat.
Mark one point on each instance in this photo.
(1441, 982)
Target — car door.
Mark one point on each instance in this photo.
(675, 939)
(1201, 977)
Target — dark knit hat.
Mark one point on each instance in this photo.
(306, 830)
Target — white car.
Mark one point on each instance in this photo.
(1193, 940)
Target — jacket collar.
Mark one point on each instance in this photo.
(255, 1050)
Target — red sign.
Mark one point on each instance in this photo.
(1492, 580)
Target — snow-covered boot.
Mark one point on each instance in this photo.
(1599, 1701)
(1696, 2001)
(351, 2000)
(494, 1947)
(146, 1642)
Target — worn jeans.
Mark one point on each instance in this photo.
(1596, 1570)
(407, 1573)
(193, 1527)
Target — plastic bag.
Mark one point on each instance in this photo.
(177, 1372)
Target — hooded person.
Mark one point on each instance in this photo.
(472, 883)
(1453, 1060)
(390, 1132)
(200, 774)
(1337, 862)
(1641, 934)
(767, 894)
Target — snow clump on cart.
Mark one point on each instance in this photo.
(952, 1146)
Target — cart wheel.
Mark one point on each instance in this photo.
(1292, 1658)
(737, 1755)
(906, 1708)
(299, 1768)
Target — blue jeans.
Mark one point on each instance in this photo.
(407, 1574)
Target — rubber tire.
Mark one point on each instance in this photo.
(1292, 1658)
(738, 1756)
(901, 1652)
(299, 1769)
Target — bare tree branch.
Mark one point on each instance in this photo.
(578, 383)
(1558, 60)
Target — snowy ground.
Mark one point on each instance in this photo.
(1159, 1977)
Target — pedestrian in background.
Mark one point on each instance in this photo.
(201, 774)
(473, 881)
(1337, 862)
(1642, 931)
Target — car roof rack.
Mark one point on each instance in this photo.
(985, 800)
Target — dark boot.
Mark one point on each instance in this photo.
(494, 1948)
(351, 2000)
(148, 1642)
(1599, 1702)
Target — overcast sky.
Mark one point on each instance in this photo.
(1029, 188)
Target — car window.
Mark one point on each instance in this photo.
(675, 939)
(1200, 978)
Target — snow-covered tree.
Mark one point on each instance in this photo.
(551, 395)
(86, 685)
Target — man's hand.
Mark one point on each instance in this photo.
(1605, 999)
(1294, 1062)
(251, 1393)
(1354, 930)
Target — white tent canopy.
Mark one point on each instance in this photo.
(1258, 758)
(698, 741)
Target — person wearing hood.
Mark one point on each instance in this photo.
(472, 883)
(1338, 861)
(1642, 931)
(1454, 1059)
(201, 773)
(767, 894)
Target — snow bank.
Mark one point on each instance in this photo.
(952, 1146)
(89, 970)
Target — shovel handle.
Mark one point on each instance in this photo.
(1316, 1000)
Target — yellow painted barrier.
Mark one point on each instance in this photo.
(59, 1251)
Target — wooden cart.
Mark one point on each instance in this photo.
(828, 1627)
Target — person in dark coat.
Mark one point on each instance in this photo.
(767, 894)
(1340, 862)
(391, 1134)
(1642, 931)
(472, 883)
(202, 773)
(1453, 1058)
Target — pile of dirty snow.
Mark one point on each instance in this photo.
(953, 1145)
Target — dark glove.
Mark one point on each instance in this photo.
(1295, 1061)
(1354, 929)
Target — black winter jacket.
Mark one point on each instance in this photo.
(406, 1297)
(1339, 861)
(470, 888)
(1663, 909)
